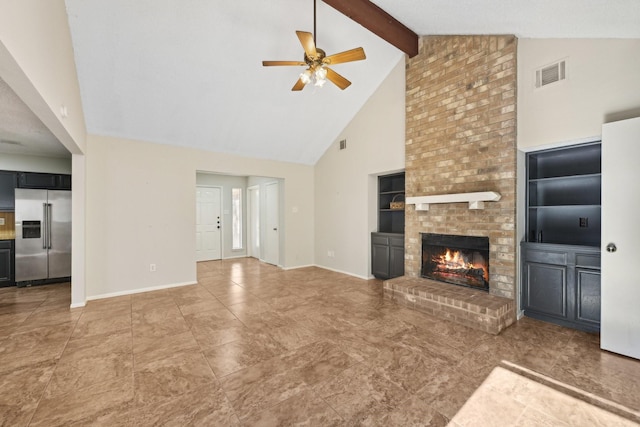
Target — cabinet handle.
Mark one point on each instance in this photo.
(611, 247)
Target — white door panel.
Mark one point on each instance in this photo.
(271, 249)
(620, 287)
(253, 222)
(208, 223)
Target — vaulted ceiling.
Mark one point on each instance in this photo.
(189, 73)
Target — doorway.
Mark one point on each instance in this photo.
(208, 223)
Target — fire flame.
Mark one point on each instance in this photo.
(453, 260)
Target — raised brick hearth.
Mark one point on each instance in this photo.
(475, 309)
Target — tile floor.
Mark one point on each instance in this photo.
(251, 344)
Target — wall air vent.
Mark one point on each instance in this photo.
(551, 73)
(343, 144)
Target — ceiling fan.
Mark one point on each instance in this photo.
(318, 71)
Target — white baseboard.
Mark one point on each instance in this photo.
(139, 291)
(78, 305)
(330, 269)
(298, 267)
(344, 272)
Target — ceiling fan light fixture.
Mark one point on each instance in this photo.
(306, 76)
(317, 61)
(321, 74)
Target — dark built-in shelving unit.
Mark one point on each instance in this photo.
(561, 252)
(387, 244)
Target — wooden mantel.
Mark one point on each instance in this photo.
(476, 200)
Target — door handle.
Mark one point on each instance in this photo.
(43, 228)
(49, 225)
(611, 247)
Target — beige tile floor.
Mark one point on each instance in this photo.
(251, 344)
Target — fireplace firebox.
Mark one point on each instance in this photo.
(460, 260)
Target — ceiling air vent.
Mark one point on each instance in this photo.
(551, 73)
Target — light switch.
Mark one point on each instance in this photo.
(1, 221)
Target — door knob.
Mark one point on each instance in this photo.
(275, 229)
(611, 247)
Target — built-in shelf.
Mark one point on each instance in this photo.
(564, 195)
(390, 189)
(475, 200)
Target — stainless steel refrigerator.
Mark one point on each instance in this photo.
(43, 236)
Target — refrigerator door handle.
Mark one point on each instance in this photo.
(44, 228)
(49, 225)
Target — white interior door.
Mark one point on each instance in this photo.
(208, 223)
(253, 221)
(271, 249)
(620, 311)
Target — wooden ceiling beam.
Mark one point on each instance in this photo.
(378, 22)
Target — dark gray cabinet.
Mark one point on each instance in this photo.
(390, 189)
(8, 181)
(387, 255)
(7, 277)
(46, 181)
(561, 284)
(563, 195)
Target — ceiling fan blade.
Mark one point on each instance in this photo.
(272, 63)
(356, 54)
(308, 44)
(299, 85)
(337, 79)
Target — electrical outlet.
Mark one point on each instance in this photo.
(331, 254)
(152, 267)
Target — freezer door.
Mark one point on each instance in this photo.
(31, 253)
(59, 240)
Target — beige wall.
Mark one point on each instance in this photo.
(141, 210)
(344, 182)
(37, 62)
(602, 85)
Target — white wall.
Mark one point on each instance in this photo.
(345, 179)
(141, 210)
(602, 85)
(227, 182)
(22, 163)
(37, 62)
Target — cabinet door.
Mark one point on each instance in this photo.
(588, 296)
(545, 289)
(64, 182)
(396, 261)
(37, 180)
(6, 272)
(7, 190)
(380, 260)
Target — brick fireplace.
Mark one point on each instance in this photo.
(461, 138)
